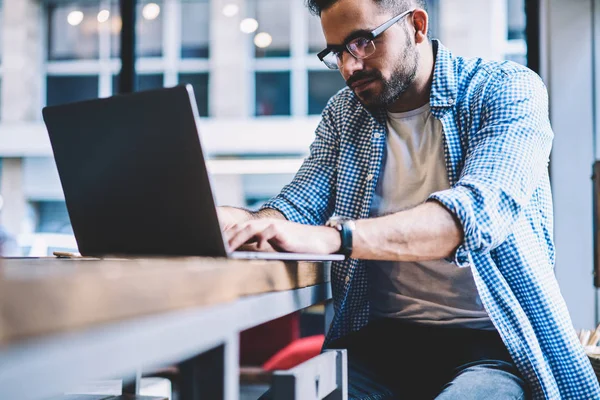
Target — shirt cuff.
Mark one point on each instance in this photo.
(461, 257)
(283, 206)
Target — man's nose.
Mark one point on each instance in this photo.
(350, 65)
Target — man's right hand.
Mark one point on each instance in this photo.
(231, 216)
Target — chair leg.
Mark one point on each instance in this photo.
(322, 377)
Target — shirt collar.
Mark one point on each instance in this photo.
(444, 86)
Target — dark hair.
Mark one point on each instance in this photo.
(397, 6)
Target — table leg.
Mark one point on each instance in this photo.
(329, 313)
(212, 375)
(133, 384)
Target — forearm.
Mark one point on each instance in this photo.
(268, 213)
(242, 215)
(426, 232)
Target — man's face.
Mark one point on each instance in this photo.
(383, 77)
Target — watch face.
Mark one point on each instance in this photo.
(334, 222)
(338, 219)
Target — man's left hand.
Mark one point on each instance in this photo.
(284, 236)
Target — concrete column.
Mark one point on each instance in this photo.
(21, 94)
(22, 61)
(229, 85)
(474, 28)
(229, 57)
(14, 207)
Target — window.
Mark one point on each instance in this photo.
(516, 19)
(273, 93)
(195, 24)
(67, 89)
(72, 31)
(272, 38)
(1, 30)
(516, 41)
(200, 84)
(144, 82)
(321, 86)
(149, 29)
(53, 217)
(84, 43)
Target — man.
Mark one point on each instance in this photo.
(435, 170)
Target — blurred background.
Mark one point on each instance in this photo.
(259, 86)
(260, 90)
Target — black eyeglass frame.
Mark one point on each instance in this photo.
(371, 36)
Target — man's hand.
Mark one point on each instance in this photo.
(284, 236)
(230, 216)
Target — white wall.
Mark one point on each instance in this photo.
(570, 80)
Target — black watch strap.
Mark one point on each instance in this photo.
(345, 226)
(346, 235)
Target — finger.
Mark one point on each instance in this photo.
(247, 234)
(278, 245)
(234, 229)
(229, 228)
(264, 241)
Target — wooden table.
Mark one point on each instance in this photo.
(67, 321)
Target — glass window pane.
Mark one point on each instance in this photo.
(53, 217)
(517, 43)
(148, 82)
(149, 29)
(432, 9)
(195, 20)
(321, 86)
(200, 84)
(516, 19)
(144, 82)
(273, 93)
(1, 31)
(73, 31)
(67, 89)
(273, 18)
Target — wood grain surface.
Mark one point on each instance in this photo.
(41, 296)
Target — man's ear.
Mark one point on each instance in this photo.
(420, 20)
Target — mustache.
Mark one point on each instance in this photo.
(360, 75)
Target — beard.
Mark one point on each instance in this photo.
(402, 77)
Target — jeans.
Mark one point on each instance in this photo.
(389, 359)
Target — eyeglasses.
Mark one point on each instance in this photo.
(360, 47)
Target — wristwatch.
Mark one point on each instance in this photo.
(345, 226)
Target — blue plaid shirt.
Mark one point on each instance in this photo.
(497, 144)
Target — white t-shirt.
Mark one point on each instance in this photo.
(430, 292)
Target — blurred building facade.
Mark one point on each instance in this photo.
(258, 83)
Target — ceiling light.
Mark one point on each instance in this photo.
(249, 25)
(74, 18)
(151, 11)
(103, 16)
(263, 40)
(231, 10)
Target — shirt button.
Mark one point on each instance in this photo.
(377, 135)
(347, 279)
(370, 177)
(451, 101)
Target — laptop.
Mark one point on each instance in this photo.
(135, 180)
